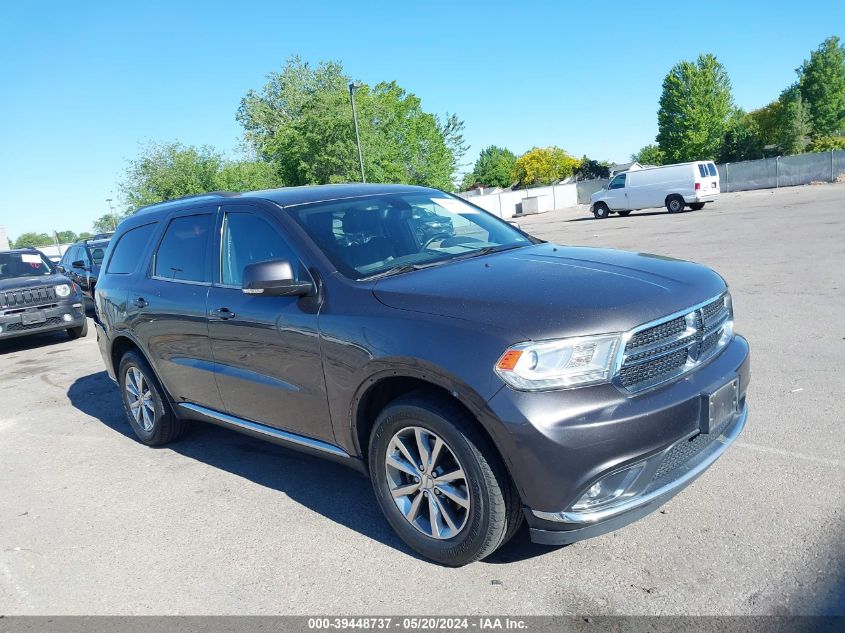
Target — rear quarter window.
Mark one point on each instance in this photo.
(130, 249)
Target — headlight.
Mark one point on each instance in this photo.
(562, 363)
(63, 290)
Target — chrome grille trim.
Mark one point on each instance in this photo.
(663, 350)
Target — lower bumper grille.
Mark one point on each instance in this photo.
(20, 327)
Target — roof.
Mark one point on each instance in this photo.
(292, 196)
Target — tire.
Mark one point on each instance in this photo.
(78, 332)
(696, 206)
(675, 204)
(601, 210)
(624, 213)
(155, 424)
(493, 511)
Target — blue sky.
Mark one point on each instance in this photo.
(83, 83)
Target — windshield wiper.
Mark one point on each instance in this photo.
(407, 268)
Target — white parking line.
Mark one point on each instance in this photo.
(829, 461)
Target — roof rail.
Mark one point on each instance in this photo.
(210, 194)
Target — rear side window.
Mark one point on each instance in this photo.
(130, 249)
(712, 169)
(182, 254)
(702, 170)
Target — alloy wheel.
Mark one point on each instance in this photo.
(427, 482)
(140, 399)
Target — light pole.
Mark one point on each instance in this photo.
(352, 87)
(111, 213)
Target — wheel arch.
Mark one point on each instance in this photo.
(381, 389)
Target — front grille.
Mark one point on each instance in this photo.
(659, 352)
(27, 297)
(20, 327)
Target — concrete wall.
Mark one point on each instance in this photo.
(509, 203)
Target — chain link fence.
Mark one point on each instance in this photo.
(783, 171)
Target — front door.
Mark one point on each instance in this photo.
(266, 348)
(617, 194)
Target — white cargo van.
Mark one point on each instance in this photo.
(673, 186)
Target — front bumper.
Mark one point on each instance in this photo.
(59, 316)
(560, 443)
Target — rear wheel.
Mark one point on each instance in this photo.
(675, 204)
(624, 213)
(147, 409)
(440, 482)
(696, 206)
(601, 210)
(78, 332)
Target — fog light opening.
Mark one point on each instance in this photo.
(609, 488)
(67, 317)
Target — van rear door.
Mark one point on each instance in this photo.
(707, 178)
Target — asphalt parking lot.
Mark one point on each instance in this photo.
(93, 522)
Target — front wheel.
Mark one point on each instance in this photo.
(601, 210)
(440, 482)
(696, 206)
(78, 332)
(675, 204)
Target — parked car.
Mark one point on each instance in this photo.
(82, 260)
(430, 225)
(478, 379)
(36, 298)
(674, 186)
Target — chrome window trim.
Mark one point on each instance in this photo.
(689, 366)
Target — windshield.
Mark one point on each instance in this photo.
(13, 265)
(374, 235)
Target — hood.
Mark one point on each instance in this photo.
(37, 281)
(547, 291)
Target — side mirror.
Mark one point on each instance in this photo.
(78, 264)
(274, 277)
(60, 268)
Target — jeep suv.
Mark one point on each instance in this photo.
(82, 260)
(479, 377)
(36, 298)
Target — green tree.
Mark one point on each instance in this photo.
(695, 107)
(66, 237)
(543, 166)
(84, 235)
(33, 239)
(826, 144)
(169, 170)
(107, 222)
(649, 155)
(792, 124)
(589, 169)
(742, 139)
(493, 168)
(822, 85)
(301, 121)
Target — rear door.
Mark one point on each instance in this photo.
(168, 308)
(617, 194)
(266, 348)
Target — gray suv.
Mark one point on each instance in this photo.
(480, 377)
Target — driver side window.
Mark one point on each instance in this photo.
(248, 238)
(618, 182)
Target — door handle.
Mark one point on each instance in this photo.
(140, 302)
(223, 313)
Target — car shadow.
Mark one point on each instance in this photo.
(335, 491)
(632, 215)
(33, 341)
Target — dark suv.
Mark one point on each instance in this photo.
(82, 260)
(478, 378)
(36, 298)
